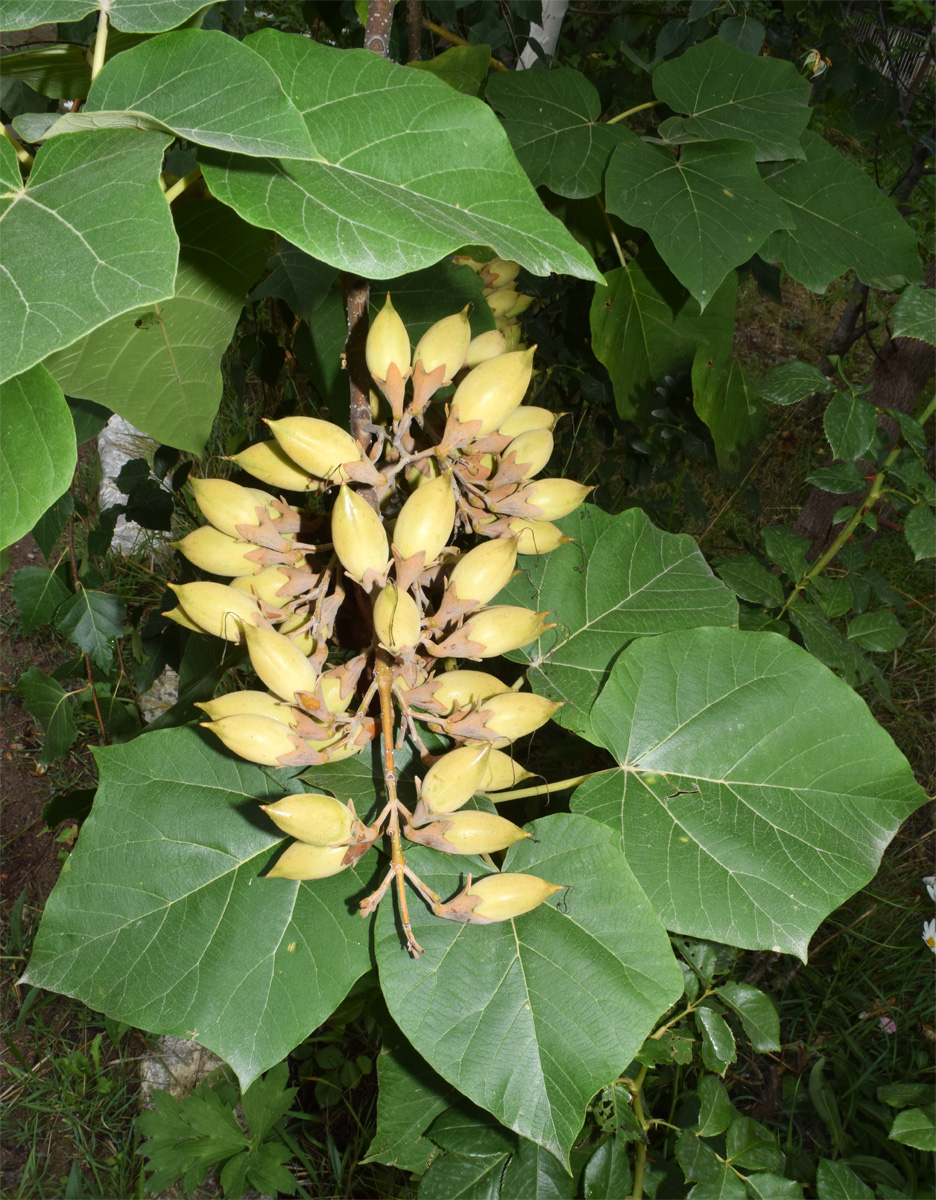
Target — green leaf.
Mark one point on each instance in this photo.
(159, 366)
(93, 620)
(904, 1095)
(698, 1160)
(37, 593)
(89, 418)
(914, 314)
(621, 579)
(707, 211)
(850, 423)
(645, 326)
(920, 531)
(608, 1173)
(716, 1111)
(841, 221)
(552, 120)
(787, 549)
(835, 1181)
(718, 1043)
(916, 1127)
(470, 1132)
(727, 1187)
(880, 631)
(822, 639)
(296, 277)
(265, 1170)
(451, 1177)
(188, 1137)
(60, 72)
(567, 992)
(729, 94)
(766, 1186)
(750, 579)
(535, 1174)
(208, 88)
(752, 1146)
(162, 918)
(400, 183)
(463, 68)
(410, 1096)
(840, 479)
(757, 1013)
(744, 33)
(37, 450)
(94, 204)
(131, 16)
(47, 701)
(756, 792)
(793, 382)
(911, 431)
(266, 1100)
(723, 397)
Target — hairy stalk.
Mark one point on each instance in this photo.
(545, 788)
(100, 43)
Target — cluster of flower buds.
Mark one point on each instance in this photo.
(456, 454)
(499, 277)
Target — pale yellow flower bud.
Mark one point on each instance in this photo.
(537, 537)
(218, 553)
(396, 619)
(468, 832)
(317, 446)
(249, 703)
(486, 345)
(269, 462)
(444, 344)
(513, 715)
(526, 417)
(387, 342)
(481, 573)
(302, 861)
(510, 894)
(492, 391)
(358, 535)
(216, 608)
(426, 520)
(313, 818)
(532, 450)
(280, 663)
(257, 739)
(453, 779)
(556, 497)
(227, 505)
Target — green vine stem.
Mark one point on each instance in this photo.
(100, 43)
(871, 498)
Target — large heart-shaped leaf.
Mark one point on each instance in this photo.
(725, 399)
(707, 211)
(410, 171)
(728, 94)
(38, 452)
(622, 578)
(552, 121)
(160, 366)
(646, 326)
(208, 88)
(756, 791)
(529, 1017)
(131, 16)
(161, 917)
(89, 236)
(841, 220)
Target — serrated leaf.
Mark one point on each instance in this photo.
(208, 88)
(766, 1186)
(463, 68)
(38, 453)
(535, 982)
(756, 792)
(47, 701)
(787, 549)
(266, 1170)
(410, 1096)
(716, 1111)
(903, 1095)
(916, 1127)
(727, 1187)
(879, 631)
(823, 640)
(130, 16)
(535, 1174)
(453, 1178)
(835, 1181)
(37, 593)
(757, 1013)
(750, 579)
(841, 220)
(645, 326)
(707, 211)
(164, 888)
(608, 1173)
(718, 1043)
(93, 202)
(729, 94)
(621, 579)
(399, 184)
(752, 1146)
(93, 620)
(188, 1137)
(552, 120)
(697, 1159)
(266, 1100)
(723, 397)
(159, 366)
(920, 531)
(839, 479)
(792, 382)
(914, 315)
(850, 423)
